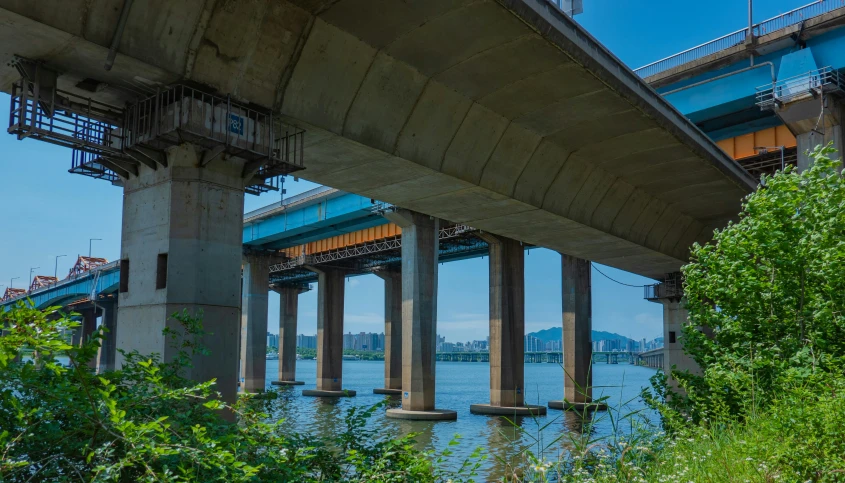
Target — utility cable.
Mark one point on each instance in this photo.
(614, 280)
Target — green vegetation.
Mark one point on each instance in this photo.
(147, 423)
(767, 310)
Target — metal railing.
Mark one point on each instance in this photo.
(773, 24)
(814, 82)
(695, 53)
(70, 279)
(796, 16)
(181, 113)
(672, 287)
(62, 118)
(272, 209)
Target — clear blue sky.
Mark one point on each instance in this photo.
(49, 212)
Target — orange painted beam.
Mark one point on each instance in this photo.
(744, 146)
(346, 240)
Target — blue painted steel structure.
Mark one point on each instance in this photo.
(314, 215)
(722, 101)
(101, 280)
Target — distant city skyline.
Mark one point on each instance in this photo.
(375, 342)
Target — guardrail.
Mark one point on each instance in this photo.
(825, 79)
(281, 205)
(66, 281)
(773, 24)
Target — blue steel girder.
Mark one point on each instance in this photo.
(66, 292)
(726, 107)
(332, 215)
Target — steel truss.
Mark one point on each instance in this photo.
(455, 242)
(376, 246)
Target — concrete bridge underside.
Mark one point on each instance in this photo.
(501, 114)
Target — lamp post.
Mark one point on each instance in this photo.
(12, 282)
(90, 241)
(56, 271)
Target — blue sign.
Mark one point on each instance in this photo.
(236, 124)
(406, 395)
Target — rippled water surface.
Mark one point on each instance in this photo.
(460, 384)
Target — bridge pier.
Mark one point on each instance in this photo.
(288, 313)
(254, 300)
(392, 332)
(330, 296)
(675, 317)
(420, 253)
(108, 349)
(87, 327)
(577, 327)
(181, 250)
(807, 138)
(507, 331)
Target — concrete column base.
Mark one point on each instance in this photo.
(321, 393)
(287, 383)
(525, 410)
(578, 406)
(384, 390)
(431, 415)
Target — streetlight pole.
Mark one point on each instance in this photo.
(12, 282)
(56, 272)
(90, 241)
(751, 29)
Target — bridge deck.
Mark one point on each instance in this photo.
(502, 114)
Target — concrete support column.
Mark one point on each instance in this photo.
(288, 312)
(420, 253)
(675, 317)
(507, 330)
(256, 285)
(577, 343)
(330, 297)
(87, 326)
(108, 348)
(86, 330)
(808, 141)
(181, 250)
(392, 332)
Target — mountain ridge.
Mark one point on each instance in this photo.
(556, 333)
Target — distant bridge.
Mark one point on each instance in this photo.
(546, 357)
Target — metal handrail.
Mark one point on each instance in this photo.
(282, 205)
(65, 281)
(732, 39)
(824, 79)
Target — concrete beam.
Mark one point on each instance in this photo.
(392, 332)
(330, 298)
(419, 315)
(288, 313)
(469, 111)
(256, 281)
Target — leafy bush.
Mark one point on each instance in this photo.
(147, 423)
(772, 289)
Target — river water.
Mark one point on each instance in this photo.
(460, 384)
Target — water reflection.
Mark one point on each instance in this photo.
(459, 385)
